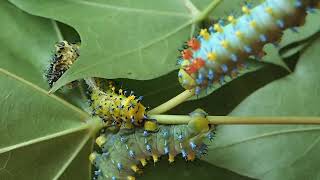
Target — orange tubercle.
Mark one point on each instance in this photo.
(194, 44)
(198, 63)
(186, 54)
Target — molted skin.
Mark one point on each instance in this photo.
(124, 154)
(221, 51)
(65, 55)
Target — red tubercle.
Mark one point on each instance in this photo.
(191, 69)
(194, 44)
(195, 66)
(187, 54)
(198, 63)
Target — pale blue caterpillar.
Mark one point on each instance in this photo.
(221, 51)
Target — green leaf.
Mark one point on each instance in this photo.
(181, 169)
(143, 34)
(40, 133)
(121, 39)
(270, 151)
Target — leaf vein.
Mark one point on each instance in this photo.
(127, 9)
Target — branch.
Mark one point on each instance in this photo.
(182, 119)
(207, 11)
(172, 102)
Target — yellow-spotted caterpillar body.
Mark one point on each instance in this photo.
(120, 156)
(65, 55)
(222, 50)
(120, 109)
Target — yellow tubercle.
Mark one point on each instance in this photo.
(155, 158)
(131, 178)
(253, 24)
(239, 34)
(225, 44)
(269, 10)
(150, 126)
(232, 20)
(217, 28)
(171, 158)
(143, 162)
(212, 56)
(101, 140)
(245, 9)
(134, 168)
(131, 98)
(92, 157)
(204, 33)
(120, 91)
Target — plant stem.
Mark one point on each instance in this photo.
(207, 11)
(172, 102)
(182, 119)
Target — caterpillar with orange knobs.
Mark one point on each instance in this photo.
(221, 51)
(120, 156)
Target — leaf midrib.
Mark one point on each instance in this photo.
(83, 115)
(127, 9)
(265, 135)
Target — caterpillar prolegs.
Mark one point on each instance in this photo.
(222, 50)
(122, 155)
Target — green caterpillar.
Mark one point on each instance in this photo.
(123, 154)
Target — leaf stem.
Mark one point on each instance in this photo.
(172, 102)
(183, 119)
(207, 11)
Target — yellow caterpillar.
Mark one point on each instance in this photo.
(118, 109)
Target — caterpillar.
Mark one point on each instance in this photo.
(65, 55)
(222, 50)
(119, 109)
(122, 155)
(116, 109)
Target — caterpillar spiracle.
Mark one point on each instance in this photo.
(65, 55)
(122, 155)
(221, 51)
